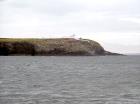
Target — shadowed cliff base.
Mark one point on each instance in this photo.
(52, 47)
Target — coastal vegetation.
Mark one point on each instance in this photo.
(48, 47)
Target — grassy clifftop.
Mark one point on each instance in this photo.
(58, 46)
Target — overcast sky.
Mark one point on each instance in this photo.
(113, 23)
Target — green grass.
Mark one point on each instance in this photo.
(15, 39)
(67, 42)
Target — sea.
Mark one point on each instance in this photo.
(69, 79)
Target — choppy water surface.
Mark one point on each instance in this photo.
(70, 80)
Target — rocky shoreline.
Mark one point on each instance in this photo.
(52, 47)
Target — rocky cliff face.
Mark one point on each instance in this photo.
(60, 46)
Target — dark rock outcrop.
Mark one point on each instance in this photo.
(16, 48)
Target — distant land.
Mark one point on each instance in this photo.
(51, 47)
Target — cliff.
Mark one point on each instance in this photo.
(48, 47)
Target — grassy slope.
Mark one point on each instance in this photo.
(58, 46)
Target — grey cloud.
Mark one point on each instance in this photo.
(99, 23)
(69, 16)
(2, 0)
(58, 7)
(129, 7)
(49, 7)
(63, 7)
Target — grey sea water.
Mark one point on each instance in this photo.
(70, 80)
